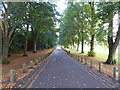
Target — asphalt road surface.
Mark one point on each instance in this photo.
(62, 71)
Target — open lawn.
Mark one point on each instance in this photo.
(101, 53)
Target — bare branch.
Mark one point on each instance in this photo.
(11, 32)
(10, 41)
(4, 6)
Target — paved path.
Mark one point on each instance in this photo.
(62, 71)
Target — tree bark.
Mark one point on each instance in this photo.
(82, 45)
(111, 56)
(5, 39)
(112, 45)
(93, 23)
(49, 43)
(34, 46)
(42, 45)
(35, 42)
(78, 40)
(26, 42)
(5, 49)
(0, 44)
(7, 35)
(92, 43)
(73, 43)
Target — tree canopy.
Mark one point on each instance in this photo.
(85, 23)
(29, 26)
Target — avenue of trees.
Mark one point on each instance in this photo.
(86, 23)
(27, 26)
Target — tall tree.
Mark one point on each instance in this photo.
(45, 16)
(10, 21)
(108, 10)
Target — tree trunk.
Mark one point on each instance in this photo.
(92, 43)
(5, 39)
(34, 46)
(112, 45)
(26, 42)
(82, 45)
(7, 35)
(0, 46)
(92, 26)
(48, 43)
(73, 43)
(46, 46)
(42, 44)
(35, 43)
(5, 49)
(111, 56)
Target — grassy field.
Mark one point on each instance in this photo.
(101, 53)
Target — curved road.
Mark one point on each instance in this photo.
(62, 71)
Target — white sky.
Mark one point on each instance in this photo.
(61, 6)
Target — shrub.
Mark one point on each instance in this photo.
(6, 62)
(9, 53)
(115, 61)
(91, 53)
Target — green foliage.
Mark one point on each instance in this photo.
(17, 43)
(9, 53)
(115, 61)
(91, 53)
(6, 62)
(70, 28)
(89, 20)
(41, 18)
(79, 19)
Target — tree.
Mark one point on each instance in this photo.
(75, 20)
(45, 16)
(10, 21)
(28, 19)
(107, 17)
(80, 24)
